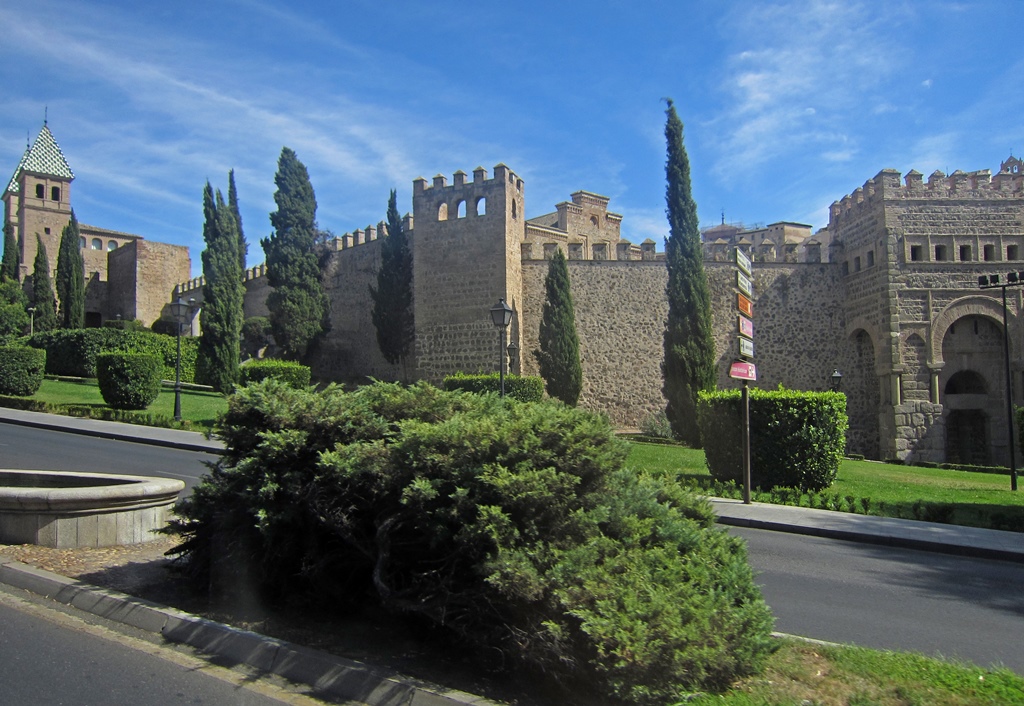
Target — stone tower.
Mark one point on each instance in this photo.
(467, 255)
(38, 199)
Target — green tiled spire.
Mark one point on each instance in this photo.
(43, 157)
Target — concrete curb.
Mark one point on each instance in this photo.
(334, 677)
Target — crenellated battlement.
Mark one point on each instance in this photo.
(502, 175)
(1007, 183)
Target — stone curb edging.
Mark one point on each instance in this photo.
(888, 540)
(332, 676)
(211, 447)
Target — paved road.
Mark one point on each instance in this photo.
(27, 448)
(50, 657)
(891, 598)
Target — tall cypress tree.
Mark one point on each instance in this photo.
(243, 246)
(298, 305)
(559, 354)
(689, 364)
(392, 297)
(9, 264)
(71, 277)
(223, 293)
(42, 290)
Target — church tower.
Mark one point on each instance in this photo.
(38, 199)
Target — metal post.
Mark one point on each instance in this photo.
(745, 403)
(177, 377)
(32, 321)
(501, 359)
(1009, 397)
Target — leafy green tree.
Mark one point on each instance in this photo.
(559, 354)
(42, 290)
(298, 305)
(243, 246)
(9, 264)
(392, 297)
(14, 317)
(71, 277)
(223, 294)
(689, 364)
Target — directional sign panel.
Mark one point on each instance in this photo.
(745, 306)
(744, 284)
(746, 347)
(746, 326)
(743, 262)
(742, 371)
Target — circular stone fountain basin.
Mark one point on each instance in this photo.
(65, 509)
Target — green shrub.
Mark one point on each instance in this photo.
(125, 324)
(517, 387)
(514, 527)
(165, 327)
(256, 335)
(656, 425)
(128, 380)
(73, 352)
(21, 370)
(294, 374)
(797, 439)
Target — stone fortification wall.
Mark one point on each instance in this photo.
(159, 267)
(620, 319)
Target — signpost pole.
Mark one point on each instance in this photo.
(745, 403)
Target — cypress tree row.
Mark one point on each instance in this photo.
(243, 246)
(223, 293)
(689, 364)
(71, 277)
(9, 264)
(42, 290)
(559, 354)
(298, 305)
(392, 297)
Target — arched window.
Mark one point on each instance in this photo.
(55, 193)
(481, 206)
(966, 382)
(515, 212)
(81, 242)
(460, 209)
(40, 190)
(593, 221)
(112, 245)
(442, 212)
(97, 244)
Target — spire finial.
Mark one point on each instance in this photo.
(723, 216)
(46, 115)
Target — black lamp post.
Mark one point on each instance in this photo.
(32, 320)
(179, 310)
(1013, 279)
(501, 315)
(513, 351)
(837, 380)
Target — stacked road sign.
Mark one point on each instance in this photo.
(743, 369)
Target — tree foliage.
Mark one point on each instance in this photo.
(9, 264)
(298, 305)
(71, 277)
(42, 290)
(559, 354)
(392, 297)
(243, 245)
(223, 296)
(689, 364)
(514, 528)
(14, 319)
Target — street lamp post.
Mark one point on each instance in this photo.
(31, 320)
(837, 380)
(179, 310)
(513, 351)
(1013, 279)
(501, 315)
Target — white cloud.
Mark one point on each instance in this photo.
(927, 83)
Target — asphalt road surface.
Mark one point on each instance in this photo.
(890, 598)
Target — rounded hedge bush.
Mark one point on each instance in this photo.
(21, 370)
(128, 380)
(73, 352)
(528, 388)
(292, 373)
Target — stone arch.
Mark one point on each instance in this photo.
(480, 206)
(916, 377)
(460, 209)
(863, 397)
(442, 212)
(860, 323)
(976, 305)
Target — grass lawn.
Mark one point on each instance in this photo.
(955, 497)
(199, 409)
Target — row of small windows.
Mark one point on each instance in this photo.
(479, 209)
(54, 192)
(97, 244)
(965, 253)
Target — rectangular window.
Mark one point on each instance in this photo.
(915, 253)
(1011, 252)
(846, 267)
(989, 252)
(940, 253)
(856, 264)
(871, 258)
(965, 253)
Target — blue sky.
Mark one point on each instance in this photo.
(787, 106)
